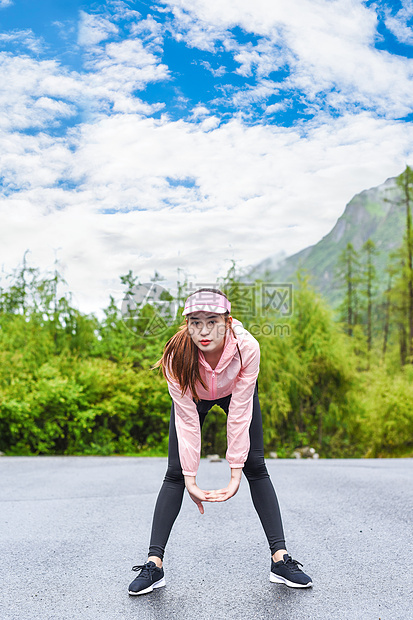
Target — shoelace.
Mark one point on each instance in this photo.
(293, 565)
(146, 570)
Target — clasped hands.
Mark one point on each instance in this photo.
(219, 495)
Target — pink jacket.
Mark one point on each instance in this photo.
(227, 378)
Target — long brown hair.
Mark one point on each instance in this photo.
(180, 356)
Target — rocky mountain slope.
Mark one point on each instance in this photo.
(377, 214)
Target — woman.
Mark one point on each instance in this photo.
(214, 360)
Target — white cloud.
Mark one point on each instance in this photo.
(276, 107)
(215, 72)
(121, 10)
(93, 29)
(401, 24)
(148, 29)
(32, 162)
(119, 69)
(253, 94)
(24, 82)
(255, 191)
(133, 55)
(58, 108)
(200, 111)
(200, 33)
(260, 59)
(23, 37)
(5, 3)
(39, 94)
(326, 45)
(210, 123)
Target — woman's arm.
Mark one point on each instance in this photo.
(241, 404)
(188, 432)
(188, 429)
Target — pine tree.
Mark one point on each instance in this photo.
(348, 271)
(16, 297)
(387, 307)
(405, 183)
(369, 278)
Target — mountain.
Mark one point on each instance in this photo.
(377, 214)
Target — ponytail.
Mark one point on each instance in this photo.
(180, 362)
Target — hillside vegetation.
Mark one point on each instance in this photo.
(340, 382)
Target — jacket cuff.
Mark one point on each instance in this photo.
(236, 465)
(189, 473)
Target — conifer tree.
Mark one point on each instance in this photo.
(16, 298)
(405, 183)
(387, 306)
(348, 272)
(369, 277)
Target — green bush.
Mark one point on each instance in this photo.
(73, 384)
(87, 407)
(388, 420)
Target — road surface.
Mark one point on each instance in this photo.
(72, 527)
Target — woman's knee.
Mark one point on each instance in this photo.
(174, 474)
(255, 467)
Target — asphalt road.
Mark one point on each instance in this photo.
(72, 527)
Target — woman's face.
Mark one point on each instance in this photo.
(207, 330)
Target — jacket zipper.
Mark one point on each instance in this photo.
(212, 385)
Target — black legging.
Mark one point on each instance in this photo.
(263, 495)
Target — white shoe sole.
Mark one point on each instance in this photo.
(158, 584)
(291, 584)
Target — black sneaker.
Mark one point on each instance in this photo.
(150, 577)
(287, 571)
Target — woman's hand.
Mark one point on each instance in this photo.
(221, 495)
(195, 493)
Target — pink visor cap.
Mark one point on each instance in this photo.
(206, 301)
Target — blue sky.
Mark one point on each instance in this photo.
(190, 133)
